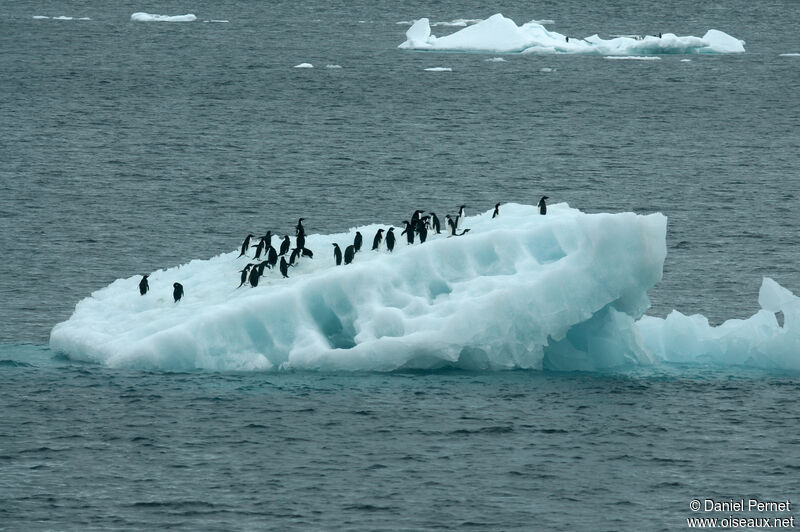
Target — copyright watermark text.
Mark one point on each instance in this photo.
(748, 507)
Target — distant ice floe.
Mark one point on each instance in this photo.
(634, 57)
(547, 69)
(496, 60)
(790, 55)
(148, 17)
(45, 17)
(439, 69)
(501, 34)
(304, 65)
(333, 66)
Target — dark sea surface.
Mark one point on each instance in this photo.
(128, 147)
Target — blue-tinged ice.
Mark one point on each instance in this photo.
(759, 341)
(523, 290)
(500, 34)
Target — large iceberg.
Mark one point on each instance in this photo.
(559, 291)
(501, 34)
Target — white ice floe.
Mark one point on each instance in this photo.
(562, 291)
(439, 69)
(495, 60)
(790, 55)
(500, 34)
(148, 17)
(304, 65)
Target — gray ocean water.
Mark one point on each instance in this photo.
(127, 147)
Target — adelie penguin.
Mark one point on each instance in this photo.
(437, 228)
(244, 273)
(451, 225)
(177, 291)
(245, 245)
(376, 242)
(409, 232)
(357, 241)
(255, 274)
(337, 254)
(542, 205)
(299, 227)
(285, 245)
(349, 254)
(496, 212)
(390, 239)
(462, 213)
(415, 217)
(301, 240)
(272, 257)
(294, 256)
(422, 231)
(259, 248)
(284, 268)
(144, 286)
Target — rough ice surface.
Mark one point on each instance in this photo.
(759, 341)
(559, 291)
(562, 291)
(500, 34)
(147, 17)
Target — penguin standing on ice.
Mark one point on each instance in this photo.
(299, 227)
(294, 256)
(177, 291)
(376, 242)
(301, 240)
(272, 257)
(462, 213)
(244, 273)
(285, 245)
(415, 217)
(337, 254)
(496, 212)
(255, 273)
(542, 205)
(409, 232)
(422, 231)
(437, 228)
(451, 225)
(390, 239)
(245, 245)
(357, 242)
(349, 254)
(144, 286)
(259, 248)
(284, 268)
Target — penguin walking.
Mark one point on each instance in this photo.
(244, 273)
(435, 225)
(284, 267)
(245, 245)
(285, 245)
(542, 205)
(144, 286)
(357, 241)
(390, 239)
(177, 291)
(409, 232)
(376, 242)
(496, 212)
(349, 254)
(337, 254)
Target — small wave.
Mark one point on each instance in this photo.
(304, 65)
(791, 54)
(439, 69)
(15, 364)
(333, 66)
(495, 60)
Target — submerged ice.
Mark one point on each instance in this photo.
(501, 34)
(562, 291)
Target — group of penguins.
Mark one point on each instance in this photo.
(417, 228)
